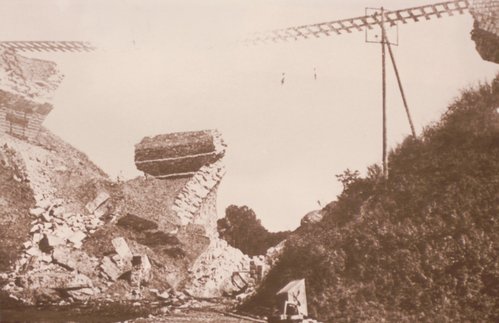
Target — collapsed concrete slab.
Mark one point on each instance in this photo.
(178, 154)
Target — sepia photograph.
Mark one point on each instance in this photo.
(223, 161)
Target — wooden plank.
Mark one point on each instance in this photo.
(344, 27)
(366, 23)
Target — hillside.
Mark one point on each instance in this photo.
(422, 244)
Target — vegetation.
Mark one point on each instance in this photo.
(242, 230)
(420, 245)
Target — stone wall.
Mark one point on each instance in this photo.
(196, 202)
(485, 32)
(26, 87)
(20, 117)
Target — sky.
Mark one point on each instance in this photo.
(167, 66)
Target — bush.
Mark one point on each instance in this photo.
(241, 229)
(420, 245)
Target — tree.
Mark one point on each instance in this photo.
(243, 230)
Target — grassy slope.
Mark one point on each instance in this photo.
(421, 245)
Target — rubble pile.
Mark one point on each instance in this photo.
(213, 270)
(87, 237)
(90, 238)
(51, 263)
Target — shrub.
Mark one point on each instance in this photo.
(420, 245)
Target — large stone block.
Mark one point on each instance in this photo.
(122, 248)
(100, 199)
(178, 154)
(110, 269)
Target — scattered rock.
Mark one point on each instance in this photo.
(101, 198)
(34, 251)
(77, 238)
(63, 232)
(49, 241)
(35, 228)
(62, 257)
(58, 212)
(36, 212)
(74, 259)
(37, 237)
(141, 270)
(122, 248)
(45, 204)
(100, 212)
(46, 217)
(110, 269)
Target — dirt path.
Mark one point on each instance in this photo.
(196, 317)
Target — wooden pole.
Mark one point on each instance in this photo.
(400, 86)
(383, 65)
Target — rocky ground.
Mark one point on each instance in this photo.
(74, 237)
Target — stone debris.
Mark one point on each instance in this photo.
(49, 242)
(110, 269)
(75, 260)
(101, 198)
(46, 217)
(62, 257)
(212, 272)
(36, 212)
(122, 248)
(34, 251)
(77, 238)
(141, 271)
(53, 255)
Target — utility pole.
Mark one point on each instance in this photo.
(406, 107)
(383, 67)
(374, 17)
(378, 14)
